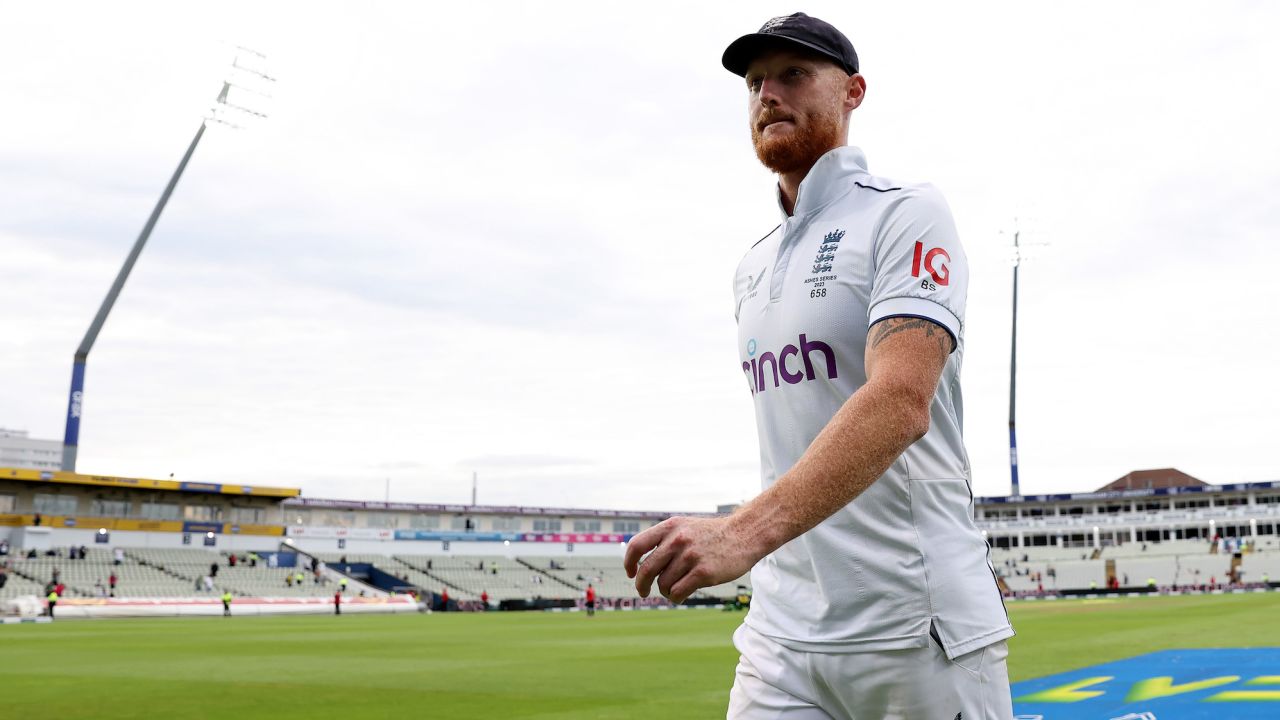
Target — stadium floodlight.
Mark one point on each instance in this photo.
(1018, 254)
(243, 79)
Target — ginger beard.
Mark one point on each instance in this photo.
(812, 135)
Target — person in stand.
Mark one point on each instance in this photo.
(231, 561)
(484, 599)
(83, 552)
(226, 603)
(253, 559)
(111, 582)
(117, 556)
(342, 585)
(213, 569)
(591, 600)
(337, 603)
(56, 574)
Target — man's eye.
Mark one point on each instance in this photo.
(795, 72)
(753, 83)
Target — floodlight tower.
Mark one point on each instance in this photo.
(1015, 488)
(243, 76)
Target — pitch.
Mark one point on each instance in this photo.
(641, 664)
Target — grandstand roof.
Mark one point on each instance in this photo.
(1152, 479)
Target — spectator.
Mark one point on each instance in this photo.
(253, 559)
(428, 563)
(288, 580)
(4, 577)
(56, 574)
(444, 600)
(31, 554)
(37, 520)
(208, 583)
(343, 559)
(484, 597)
(60, 588)
(4, 547)
(337, 603)
(84, 551)
(342, 585)
(119, 556)
(111, 580)
(231, 561)
(213, 569)
(1126, 579)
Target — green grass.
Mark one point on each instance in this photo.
(500, 665)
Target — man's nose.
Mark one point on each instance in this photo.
(770, 93)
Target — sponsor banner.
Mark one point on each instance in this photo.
(575, 537)
(201, 527)
(1242, 684)
(156, 607)
(71, 478)
(454, 536)
(484, 509)
(341, 532)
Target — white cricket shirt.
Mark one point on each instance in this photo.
(906, 553)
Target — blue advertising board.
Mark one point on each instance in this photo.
(1242, 684)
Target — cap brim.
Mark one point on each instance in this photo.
(738, 56)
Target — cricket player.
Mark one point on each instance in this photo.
(873, 594)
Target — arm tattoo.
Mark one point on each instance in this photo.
(888, 327)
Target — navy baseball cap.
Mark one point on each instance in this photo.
(797, 30)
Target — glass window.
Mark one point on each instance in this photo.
(55, 504)
(160, 511)
(110, 508)
(546, 526)
(508, 524)
(626, 526)
(586, 526)
(465, 524)
(248, 516)
(424, 522)
(7, 503)
(380, 520)
(201, 512)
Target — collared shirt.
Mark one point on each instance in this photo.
(905, 556)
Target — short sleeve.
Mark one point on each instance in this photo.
(921, 270)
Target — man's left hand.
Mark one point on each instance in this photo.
(688, 554)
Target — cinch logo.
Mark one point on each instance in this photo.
(780, 370)
(940, 273)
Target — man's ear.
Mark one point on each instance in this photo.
(855, 91)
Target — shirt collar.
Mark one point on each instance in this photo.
(822, 184)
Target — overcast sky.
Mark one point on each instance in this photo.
(499, 237)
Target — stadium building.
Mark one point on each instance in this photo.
(1158, 528)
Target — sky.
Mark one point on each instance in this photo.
(498, 238)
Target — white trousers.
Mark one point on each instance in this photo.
(776, 683)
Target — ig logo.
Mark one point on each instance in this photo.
(939, 272)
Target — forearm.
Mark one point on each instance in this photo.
(874, 426)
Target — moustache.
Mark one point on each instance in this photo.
(772, 117)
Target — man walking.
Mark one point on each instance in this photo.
(226, 603)
(873, 595)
